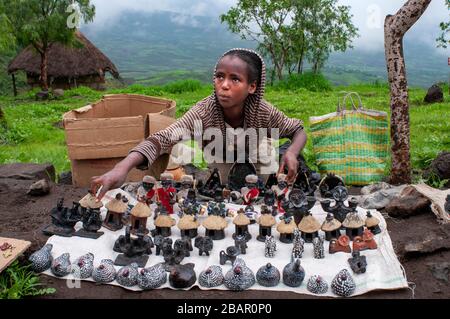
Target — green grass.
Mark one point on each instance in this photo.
(32, 136)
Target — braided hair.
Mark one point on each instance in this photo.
(254, 64)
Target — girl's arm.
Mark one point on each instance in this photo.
(290, 157)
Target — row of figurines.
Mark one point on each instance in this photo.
(239, 277)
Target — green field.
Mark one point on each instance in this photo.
(31, 133)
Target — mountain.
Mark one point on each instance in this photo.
(158, 47)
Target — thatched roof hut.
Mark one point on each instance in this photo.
(67, 66)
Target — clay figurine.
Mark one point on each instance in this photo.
(63, 220)
(139, 215)
(146, 193)
(331, 226)
(212, 184)
(286, 229)
(373, 223)
(329, 183)
(270, 201)
(211, 277)
(187, 183)
(240, 277)
(265, 221)
(127, 275)
(250, 192)
(309, 227)
(339, 210)
(231, 253)
(173, 255)
(166, 194)
(317, 285)
(270, 246)
(204, 245)
(91, 219)
(343, 284)
(61, 265)
(342, 244)
(158, 241)
(293, 273)
(319, 252)
(115, 210)
(447, 204)
(105, 272)
(268, 276)
(241, 222)
(354, 225)
(182, 276)
(358, 263)
(281, 191)
(216, 223)
(241, 242)
(152, 277)
(163, 222)
(41, 260)
(133, 250)
(298, 205)
(188, 225)
(83, 266)
(366, 241)
(184, 243)
(298, 245)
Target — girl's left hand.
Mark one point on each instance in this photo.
(290, 160)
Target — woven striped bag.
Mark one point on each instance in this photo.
(351, 143)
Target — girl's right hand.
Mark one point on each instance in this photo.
(110, 180)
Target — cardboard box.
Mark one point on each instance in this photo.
(100, 135)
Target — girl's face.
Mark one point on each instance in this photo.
(231, 82)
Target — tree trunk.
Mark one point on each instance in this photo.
(302, 56)
(44, 65)
(395, 28)
(14, 84)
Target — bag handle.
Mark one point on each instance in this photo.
(341, 108)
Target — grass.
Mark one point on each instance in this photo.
(33, 137)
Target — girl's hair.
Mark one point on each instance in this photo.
(254, 64)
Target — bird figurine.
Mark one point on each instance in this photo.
(268, 275)
(105, 272)
(127, 275)
(152, 277)
(83, 266)
(61, 266)
(317, 285)
(41, 260)
(240, 277)
(293, 273)
(343, 284)
(211, 277)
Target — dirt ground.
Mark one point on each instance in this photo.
(23, 216)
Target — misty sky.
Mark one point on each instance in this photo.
(368, 16)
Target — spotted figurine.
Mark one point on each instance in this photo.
(41, 260)
(298, 244)
(343, 284)
(152, 277)
(127, 275)
(293, 273)
(317, 285)
(83, 266)
(240, 277)
(268, 275)
(105, 272)
(319, 252)
(61, 266)
(270, 247)
(211, 277)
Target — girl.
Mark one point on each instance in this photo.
(237, 102)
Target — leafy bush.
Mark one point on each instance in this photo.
(309, 81)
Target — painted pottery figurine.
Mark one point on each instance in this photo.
(166, 194)
(182, 276)
(133, 250)
(116, 208)
(342, 244)
(152, 277)
(265, 221)
(286, 228)
(373, 223)
(139, 215)
(250, 192)
(146, 193)
(158, 240)
(358, 263)
(331, 227)
(92, 220)
(63, 220)
(213, 182)
(281, 191)
(298, 245)
(83, 266)
(41, 260)
(306, 179)
(163, 222)
(270, 202)
(339, 210)
(61, 265)
(329, 183)
(354, 225)
(293, 273)
(241, 242)
(319, 251)
(105, 272)
(317, 285)
(268, 276)
(127, 275)
(184, 243)
(187, 183)
(231, 253)
(270, 247)
(241, 222)
(216, 223)
(240, 277)
(366, 241)
(343, 284)
(188, 225)
(173, 255)
(309, 227)
(298, 205)
(204, 245)
(211, 277)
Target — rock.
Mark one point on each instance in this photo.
(65, 178)
(42, 95)
(40, 188)
(410, 202)
(439, 271)
(27, 171)
(58, 92)
(439, 167)
(431, 243)
(379, 199)
(434, 95)
(372, 188)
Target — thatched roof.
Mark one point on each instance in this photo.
(64, 61)
(140, 210)
(309, 224)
